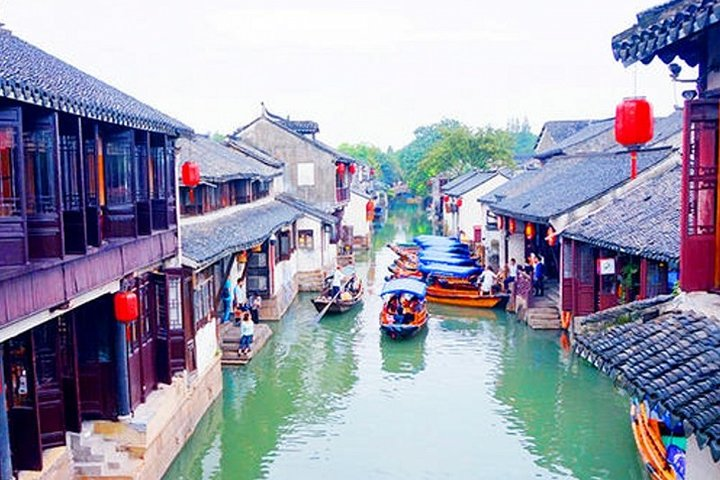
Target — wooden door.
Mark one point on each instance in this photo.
(72, 181)
(23, 418)
(182, 331)
(134, 361)
(51, 405)
(97, 375)
(69, 371)
(568, 277)
(585, 279)
(147, 336)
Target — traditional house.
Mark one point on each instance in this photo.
(88, 238)
(625, 251)
(555, 131)
(358, 217)
(310, 165)
(234, 227)
(666, 355)
(539, 202)
(465, 217)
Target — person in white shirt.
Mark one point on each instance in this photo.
(247, 330)
(512, 275)
(487, 280)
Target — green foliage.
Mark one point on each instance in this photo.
(458, 149)
(217, 137)
(524, 138)
(385, 164)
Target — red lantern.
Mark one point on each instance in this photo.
(370, 206)
(529, 230)
(190, 174)
(126, 307)
(340, 168)
(372, 172)
(446, 198)
(512, 225)
(551, 237)
(352, 168)
(459, 202)
(633, 127)
(500, 222)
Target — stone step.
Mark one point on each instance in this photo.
(88, 469)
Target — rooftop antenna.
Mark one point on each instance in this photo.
(263, 110)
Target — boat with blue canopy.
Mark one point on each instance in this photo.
(455, 260)
(451, 271)
(430, 240)
(405, 310)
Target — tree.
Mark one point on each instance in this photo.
(460, 148)
(385, 166)
(524, 138)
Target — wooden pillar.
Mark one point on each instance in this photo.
(643, 278)
(121, 369)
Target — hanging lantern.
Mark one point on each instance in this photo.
(446, 198)
(459, 202)
(633, 127)
(500, 222)
(529, 230)
(352, 169)
(372, 172)
(340, 168)
(370, 211)
(190, 174)
(512, 226)
(126, 307)
(551, 238)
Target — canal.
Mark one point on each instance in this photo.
(477, 395)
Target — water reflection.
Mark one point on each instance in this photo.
(404, 356)
(568, 412)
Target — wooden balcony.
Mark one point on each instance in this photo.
(53, 283)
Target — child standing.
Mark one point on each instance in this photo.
(247, 330)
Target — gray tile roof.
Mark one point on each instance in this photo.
(559, 130)
(644, 221)
(473, 181)
(566, 182)
(220, 163)
(203, 242)
(256, 153)
(30, 75)
(660, 29)
(309, 209)
(672, 361)
(459, 179)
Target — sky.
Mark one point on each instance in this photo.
(367, 71)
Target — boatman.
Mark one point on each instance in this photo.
(336, 281)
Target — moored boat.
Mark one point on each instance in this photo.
(405, 312)
(465, 295)
(661, 461)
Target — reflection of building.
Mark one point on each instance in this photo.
(87, 209)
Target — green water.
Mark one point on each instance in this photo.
(476, 396)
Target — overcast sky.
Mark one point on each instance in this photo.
(367, 71)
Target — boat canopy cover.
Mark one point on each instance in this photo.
(405, 285)
(428, 240)
(459, 248)
(447, 260)
(443, 270)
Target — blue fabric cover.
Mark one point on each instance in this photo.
(405, 285)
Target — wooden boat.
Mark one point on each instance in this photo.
(339, 305)
(413, 321)
(465, 295)
(650, 445)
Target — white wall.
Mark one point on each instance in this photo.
(516, 246)
(700, 465)
(206, 345)
(356, 215)
(472, 213)
(310, 260)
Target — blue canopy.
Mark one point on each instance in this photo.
(458, 249)
(443, 270)
(447, 260)
(431, 240)
(405, 285)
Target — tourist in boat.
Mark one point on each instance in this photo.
(392, 305)
(399, 316)
(487, 280)
(247, 330)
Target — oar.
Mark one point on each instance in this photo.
(322, 313)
